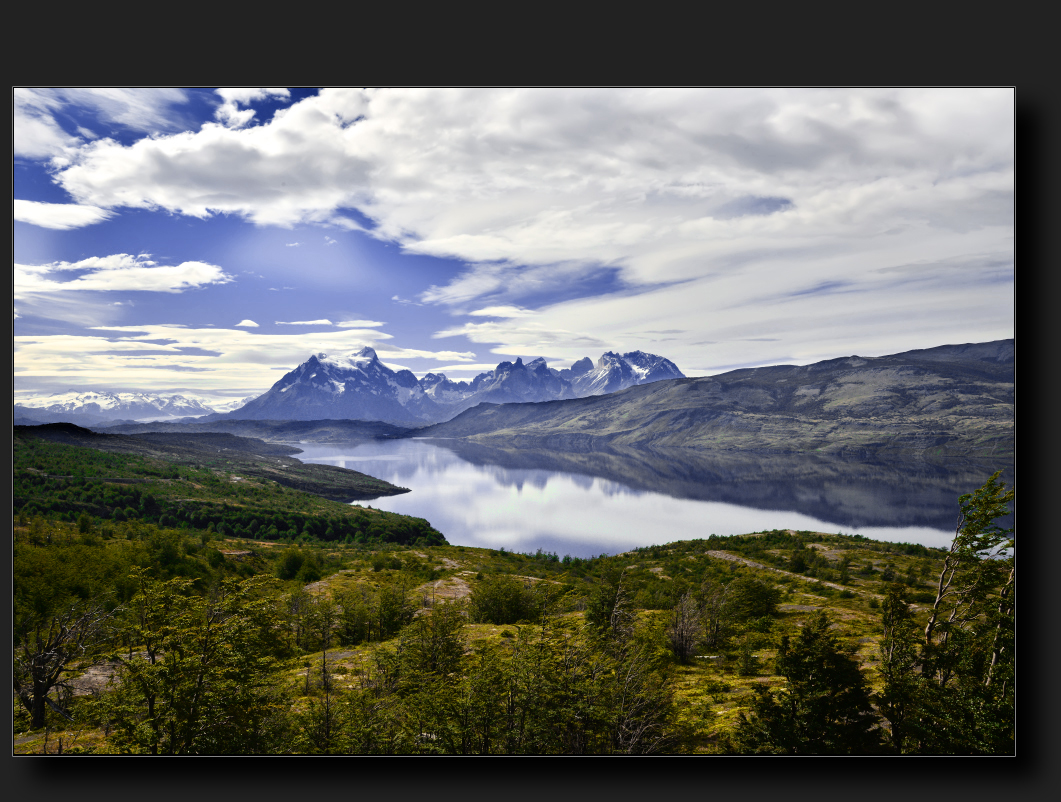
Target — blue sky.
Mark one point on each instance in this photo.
(207, 241)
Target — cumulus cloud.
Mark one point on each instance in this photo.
(657, 182)
(118, 272)
(716, 208)
(229, 112)
(248, 323)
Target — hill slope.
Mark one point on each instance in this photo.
(228, 453)
(954, 397)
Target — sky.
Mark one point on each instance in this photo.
(207, 241)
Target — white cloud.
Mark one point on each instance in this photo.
(767, 314)
(542, 177)
(233, 361)
(37, 134)
(502, 311)
(305, 323)
(694, 200)
(229, 112)
(292, 244)
(248, 323)
(118, 272)
(359, 324)
(60, 216)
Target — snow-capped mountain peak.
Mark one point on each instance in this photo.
(354, 386)
(358, 360)
(358, 386)
(90, 406)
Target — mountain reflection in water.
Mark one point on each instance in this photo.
(590, 503)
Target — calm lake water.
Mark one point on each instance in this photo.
(590, 503)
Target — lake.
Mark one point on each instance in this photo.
(587, 504)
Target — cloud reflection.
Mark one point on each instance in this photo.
(527, 508)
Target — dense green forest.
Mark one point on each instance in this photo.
(163, 609)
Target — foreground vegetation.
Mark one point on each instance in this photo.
(168, 635)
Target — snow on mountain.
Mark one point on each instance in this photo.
(91, 406)
(445, 391)
(358, 386)
(614, 372)
(228, 406)
(353, 386)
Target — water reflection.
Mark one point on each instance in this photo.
(585, 504)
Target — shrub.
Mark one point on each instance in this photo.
(502, 599)
(290, 563)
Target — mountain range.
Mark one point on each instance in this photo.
(360, 387)
(87, 408)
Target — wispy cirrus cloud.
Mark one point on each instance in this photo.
(39, 135)
(359, 324)
(304, 323)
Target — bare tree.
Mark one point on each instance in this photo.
(47, 651)
(685, 629)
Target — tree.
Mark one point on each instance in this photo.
(980, 559)
(964, 701)
(899, 665)
(393, 610)
(433, 644)
(750, 598)
(825, 709)
(289, 564)
(610, 607)
(48, 649)
(203, 682)
(685, 628)
(322, 722)
(355, 617)
(743, 599)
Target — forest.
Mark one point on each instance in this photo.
(169, 609)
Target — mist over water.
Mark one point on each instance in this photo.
(587, 504)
